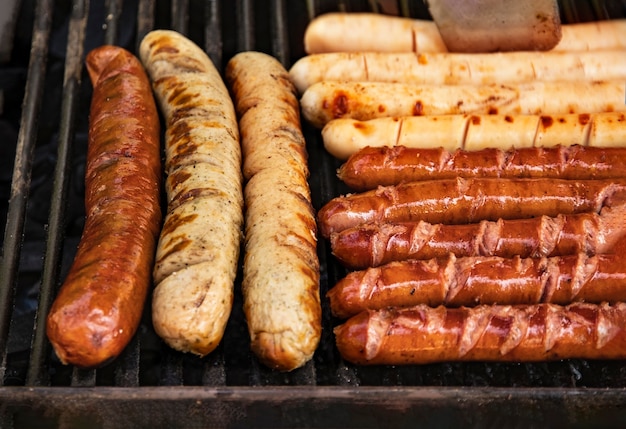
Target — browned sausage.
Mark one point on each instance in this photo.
(374, 166)
(99, 306)
(458, 201)
(525, 333)
(374, 244)
(477, 280)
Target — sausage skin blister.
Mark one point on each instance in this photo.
(523, 333)
(100, 303)
(198, 250)
(374, 244)
(281, 270)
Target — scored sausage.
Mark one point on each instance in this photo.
(524, 333)
(362, 32)
(459, 200)
(198, 250)
(328, 100)
(459, 68)
(373, 244)
(99, 306)
(281, 270)
(371, 167)
(475, 280)
(344, 137)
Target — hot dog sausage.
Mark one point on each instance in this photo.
(198, 249)
(345, 137)
(525, 333)
(328, 100)
(458, 201)
(373, 244)
(99, 306)
(477, 280)
(281, 269)
(374, 166)
(458, 68)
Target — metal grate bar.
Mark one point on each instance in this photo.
(37, 371)
(180, 16)
(145, 20)
(245, 25)
(280, 39)
(22, 170)
(114, 9)
(213, 43)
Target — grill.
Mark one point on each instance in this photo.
(44, 123)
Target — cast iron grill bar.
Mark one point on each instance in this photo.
(145, 20)
(37, 371)
(245, 25)
(22, 170)
(180, 16)
(213, 43)
(114, 9)
(280, 39)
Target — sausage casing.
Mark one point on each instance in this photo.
(99, 306)
(525, 333)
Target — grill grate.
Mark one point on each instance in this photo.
(149, 383)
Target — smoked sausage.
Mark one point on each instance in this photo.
(100, 303)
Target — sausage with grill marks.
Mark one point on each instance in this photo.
(477, 280)
(374, 244)
(458, 201)
(99, 306)
(497, 333)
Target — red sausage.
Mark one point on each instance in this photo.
(373, 244)
(478, 280)
(459, 201)
(525, 333)
(99, 306)
(374, 166)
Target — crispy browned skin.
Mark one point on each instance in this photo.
(374, 166)
(374, 244)
(459, 201)
(99, 306)
(525, 333)
(477, 280)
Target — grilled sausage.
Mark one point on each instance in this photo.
(281, 268)
(345, 137)
(328, 100)
(383, 166)
(198, 250)
(525, 333)
(459, 68)
(458, 201)
(475, 280)
(99, 306)
(374, 244)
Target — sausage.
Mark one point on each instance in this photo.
(99, 306)
(281, 271)
(523, 333)
(328, 100)
(459, 200)
(344, 137)
(361, 32)
(474, 280)
(198, 250)
(373, 244)
(459, 68)
(371, 167)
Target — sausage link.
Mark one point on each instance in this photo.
(99, 305)
(458, 201)
(281, 274)
(477, 280)
(524, 333)
(383, 166)
(373, 244)
(198, 251)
